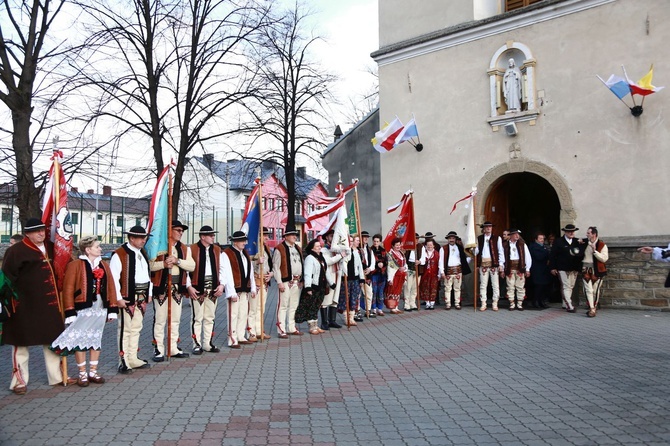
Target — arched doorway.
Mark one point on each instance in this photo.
(525, 201)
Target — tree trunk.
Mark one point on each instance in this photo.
(28, 199)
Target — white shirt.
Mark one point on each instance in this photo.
(141, 270)
(514, 254)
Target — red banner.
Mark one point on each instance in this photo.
(56, 217)
(403, 228)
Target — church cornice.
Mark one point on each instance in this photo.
(480, 29)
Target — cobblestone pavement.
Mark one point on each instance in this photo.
(428, 377)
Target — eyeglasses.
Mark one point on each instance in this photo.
(178, 229)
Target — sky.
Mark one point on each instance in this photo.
(350, 33)
(350, 28)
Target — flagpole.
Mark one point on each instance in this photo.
(56, 186)
(168, 290)
(360, 241)
(474, 209)
(632, 96)
(416, 260)
(261, 248)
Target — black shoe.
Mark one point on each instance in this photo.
(214, 349)
(158, 358)
(125, 370)
(574, 310)
(358, 318)
(146, 365)
(197, 351)
(332, 318)
(324, 318)
(543, 305)
(372, 314)
(180, 355)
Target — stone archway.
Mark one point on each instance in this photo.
(518, 165)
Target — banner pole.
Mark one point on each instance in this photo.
(56, 185)
(168, 290)
(475, 282)
(261, 248)
(360, 242)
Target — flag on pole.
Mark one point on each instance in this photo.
(56, 217)
(408, 132)
(643, 86)
(403, 228)
(617, 85)
(157, 228)
(328, 205)
(251, 219)
(351, 220)
(384, 139)
(340, 230)
(467, 197)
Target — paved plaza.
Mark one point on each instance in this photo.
(420, 378)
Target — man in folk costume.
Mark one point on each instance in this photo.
(565, 261)
(262, 257)
(517, 268)
(206, 284)
(287, 260)
(245, 289)
(336, 265)
(368, 260)
(177, 264)
(453, 266)
(491, 261)
(396, 275)
(37, 319)
(378, 275)
(593, 268)
(130, 270)
(410, 289)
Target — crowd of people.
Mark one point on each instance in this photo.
(357, 280)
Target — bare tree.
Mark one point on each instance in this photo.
(293, 96)
(213, 79)
(24, 56)
(180, 72)
(122, 67)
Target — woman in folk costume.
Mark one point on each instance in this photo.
(317, 285)
(89, 298)
(355, 283)
(429, 286)
(397, 274)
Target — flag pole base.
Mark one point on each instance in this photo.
(419, 147)
(635, 111)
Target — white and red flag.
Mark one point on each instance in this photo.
(56, 217)
(403, 228)
(328, 205)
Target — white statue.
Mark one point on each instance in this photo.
(512, 87)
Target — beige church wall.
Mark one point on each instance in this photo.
(401, 20)
(615, 166)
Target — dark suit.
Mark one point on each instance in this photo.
(540, 273)
(566, 258)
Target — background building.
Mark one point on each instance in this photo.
(351, 155)
(216, 192)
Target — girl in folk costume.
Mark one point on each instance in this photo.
(428, 288)
(397, 274)
(355, 283)
(317, 285)
(89, 298)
